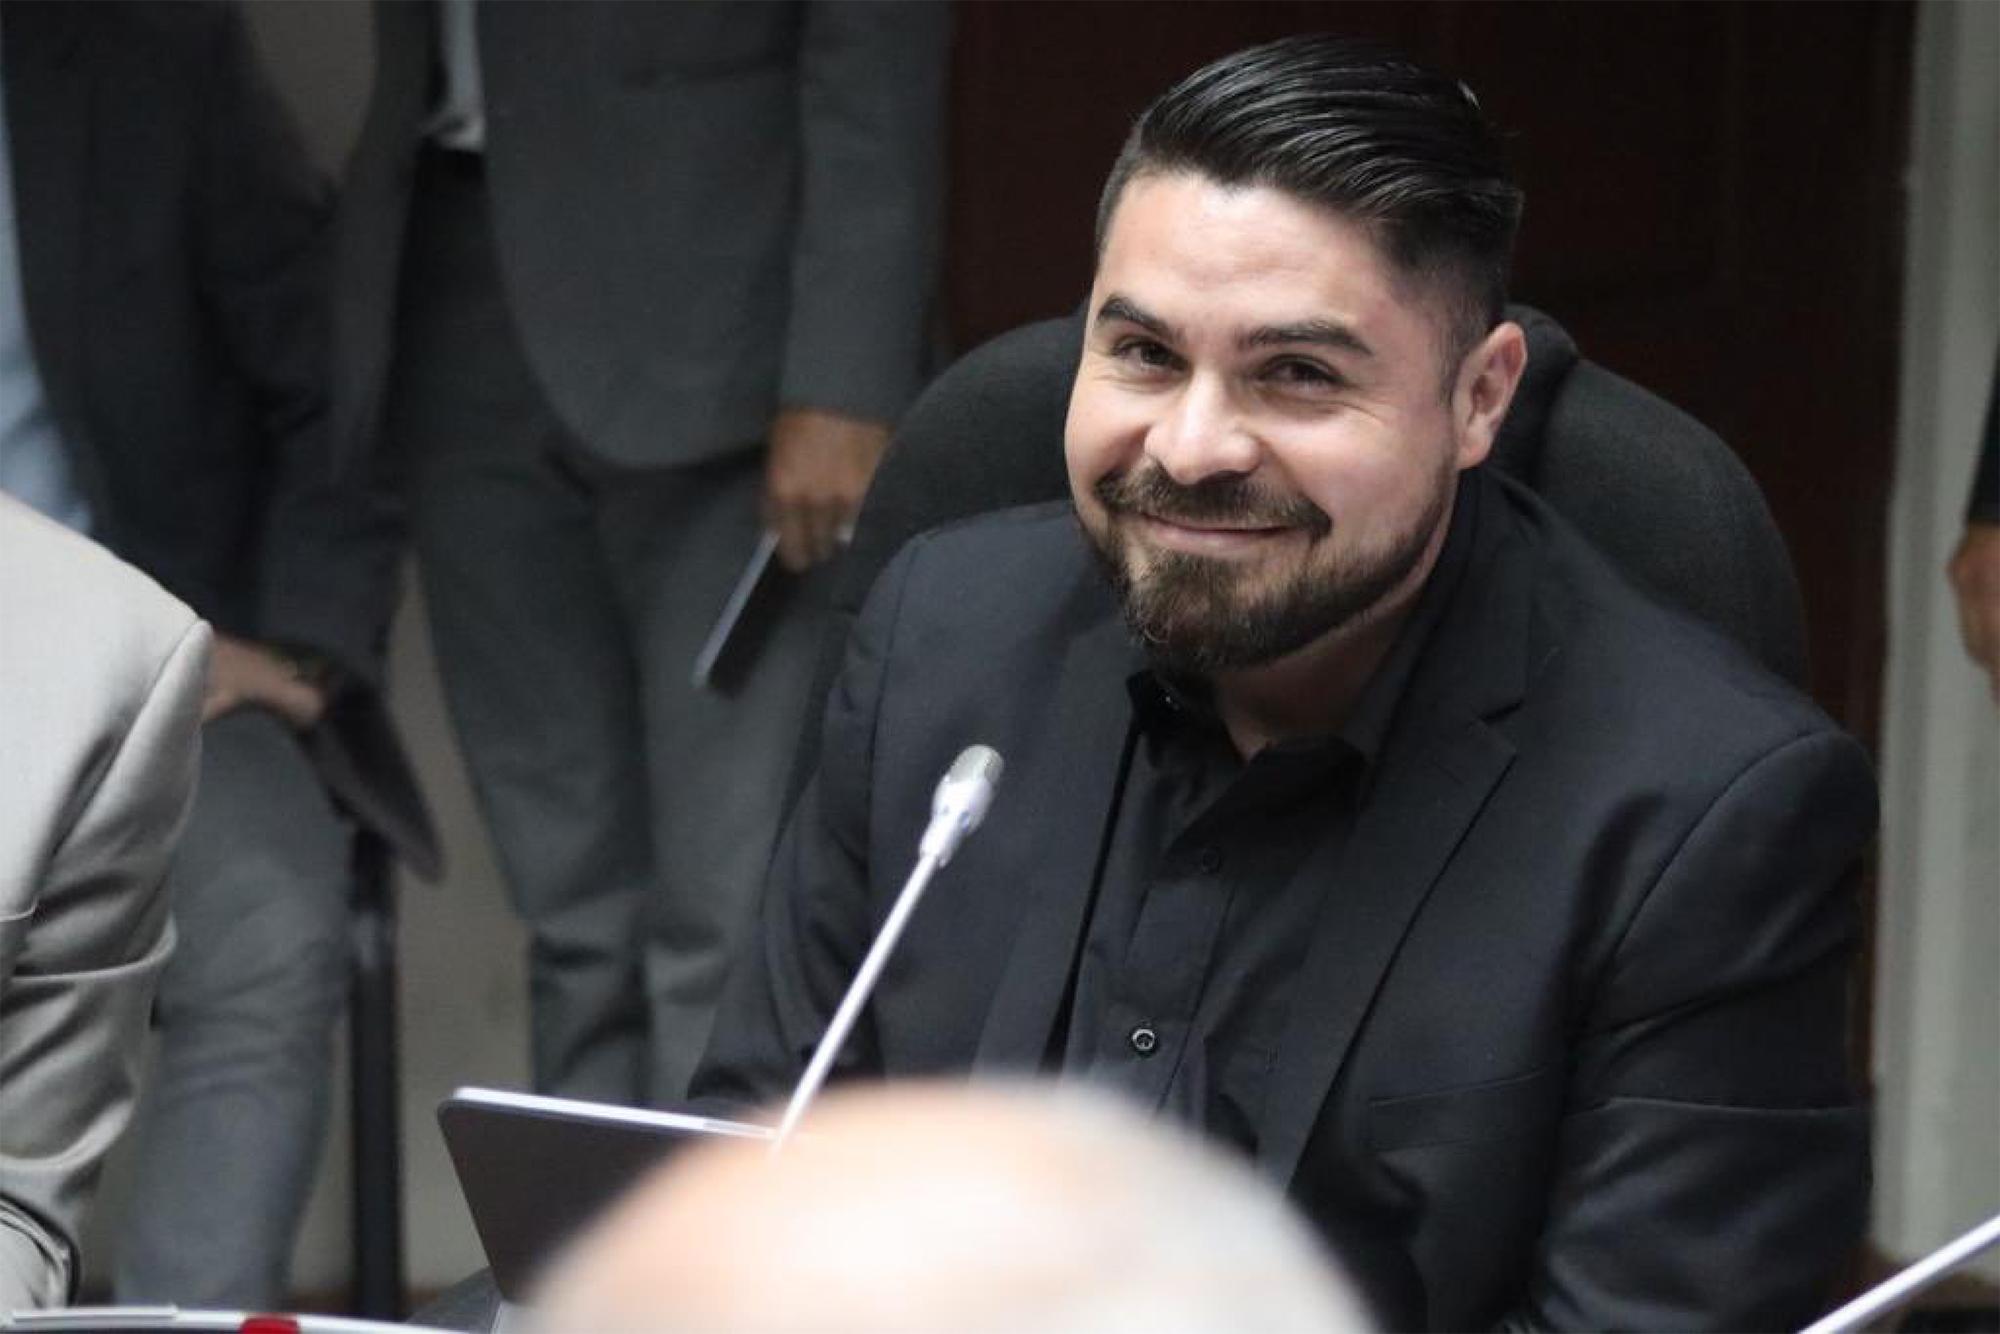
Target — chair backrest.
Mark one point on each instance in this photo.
(1657, 491)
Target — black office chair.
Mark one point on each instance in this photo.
(1657, 491)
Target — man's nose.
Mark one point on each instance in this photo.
(1202, 435)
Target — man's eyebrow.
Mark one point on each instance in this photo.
(1120, 310)
(1324, 333)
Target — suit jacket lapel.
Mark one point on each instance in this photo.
(1071, 793)
(49, 135)
(1441, 762)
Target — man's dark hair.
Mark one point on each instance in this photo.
(1358, 129)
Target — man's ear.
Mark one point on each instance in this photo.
(1487, 379)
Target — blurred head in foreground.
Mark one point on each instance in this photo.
(922, 1207)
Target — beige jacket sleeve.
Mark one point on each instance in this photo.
(101, 679)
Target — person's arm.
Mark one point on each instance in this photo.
(1974, 570)
(75, 1004)
(1712, 1169)
(871, 81)
(818, 912)
(327, 546)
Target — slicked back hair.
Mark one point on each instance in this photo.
(1361, 130)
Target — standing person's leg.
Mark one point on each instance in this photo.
(229, 1129)
(531, 646)
(719, 758)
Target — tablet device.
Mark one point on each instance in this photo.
(746, 618)
(535, 1171)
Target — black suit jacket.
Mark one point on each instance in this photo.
(173, 240)
(1567, 1046)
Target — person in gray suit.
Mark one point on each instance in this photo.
(101, 682)
(162, 376)
(625, 285)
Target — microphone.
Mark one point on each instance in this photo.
(959, 804)
(1899, 1287)
(963, 796)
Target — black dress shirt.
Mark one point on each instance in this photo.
(1183, 982)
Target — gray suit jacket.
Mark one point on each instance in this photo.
(101, 679)
(703, 211)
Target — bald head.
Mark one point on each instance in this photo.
(943, 1207)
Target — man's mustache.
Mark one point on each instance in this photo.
(1230, 499)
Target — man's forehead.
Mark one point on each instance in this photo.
(1185, 246)
(1245, 259)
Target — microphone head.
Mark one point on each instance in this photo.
(966, 789)
(976, 762)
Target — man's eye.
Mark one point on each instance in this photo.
(1302, 375)
(1144, 352)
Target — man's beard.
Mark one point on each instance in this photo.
(1191, 612)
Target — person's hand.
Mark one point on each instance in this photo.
(1974, 572)
(243, 674)
(815, 474)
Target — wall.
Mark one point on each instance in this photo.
(1938, 999)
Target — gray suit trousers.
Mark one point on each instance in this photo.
(633, 814)
(230, 1125)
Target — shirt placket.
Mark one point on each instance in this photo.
(1158, 990)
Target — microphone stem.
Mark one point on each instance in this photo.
(1909, 1282)
(857, 995)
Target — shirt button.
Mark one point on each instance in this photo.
(1144, 1040)
(1209, 860)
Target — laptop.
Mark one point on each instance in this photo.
(535, 1171)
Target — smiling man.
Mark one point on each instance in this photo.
(1357, 812)
(1253, 365)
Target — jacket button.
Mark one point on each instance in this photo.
(1144, 1040)
(1209, 860)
